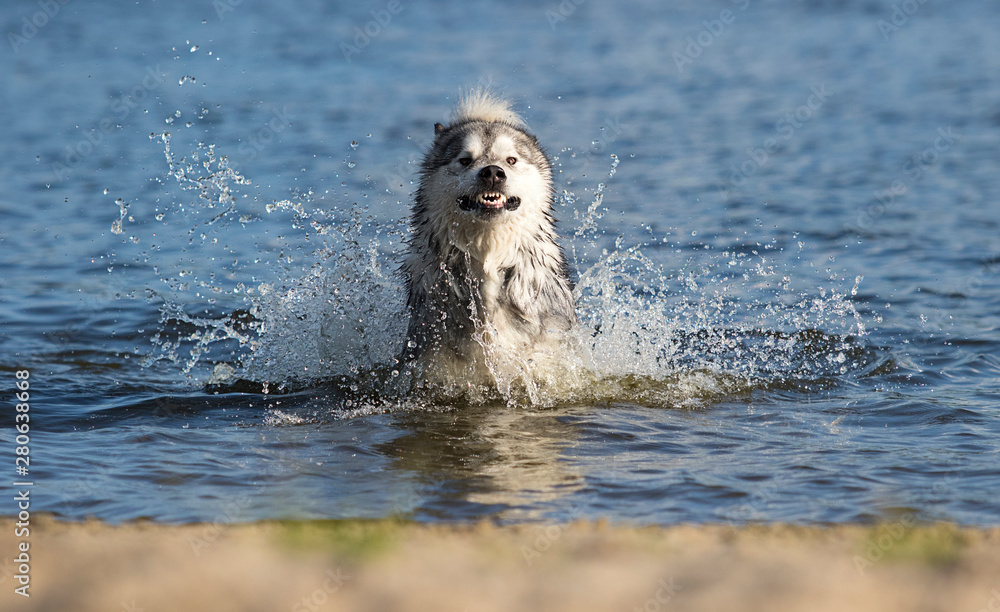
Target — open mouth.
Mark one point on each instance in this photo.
(489, 201)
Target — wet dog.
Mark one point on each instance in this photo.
(487, 280)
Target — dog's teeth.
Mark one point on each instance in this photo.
(492, 197)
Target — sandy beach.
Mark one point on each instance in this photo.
(400, 566)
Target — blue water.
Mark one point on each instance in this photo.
(783, 218)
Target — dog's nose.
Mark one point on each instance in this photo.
(492, 175)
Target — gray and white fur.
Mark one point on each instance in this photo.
(484, 269)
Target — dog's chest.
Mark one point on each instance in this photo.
(492, 280)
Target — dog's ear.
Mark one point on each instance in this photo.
(438, 129)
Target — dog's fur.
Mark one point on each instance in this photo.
(484, 270)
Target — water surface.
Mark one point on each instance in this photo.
(783, 219)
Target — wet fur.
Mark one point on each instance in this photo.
(491, 278)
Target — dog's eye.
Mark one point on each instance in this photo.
(465, 161)
(511, 160)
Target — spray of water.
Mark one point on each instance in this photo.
(322, 305)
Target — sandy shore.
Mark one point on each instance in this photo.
(385, 566)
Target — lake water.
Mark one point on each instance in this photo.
(784, 219)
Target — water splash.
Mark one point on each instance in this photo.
(205, 172)
(117, 227)
(322, 304)
(283, 310)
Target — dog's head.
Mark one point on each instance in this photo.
(485, 166)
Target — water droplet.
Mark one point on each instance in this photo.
(194, 48)
(186, 79)
(354, 144)
(351, 164)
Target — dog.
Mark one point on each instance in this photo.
(489, 289)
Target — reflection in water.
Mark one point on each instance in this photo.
(504, 460)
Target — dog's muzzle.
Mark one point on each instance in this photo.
(488, 202)
(490, 197)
